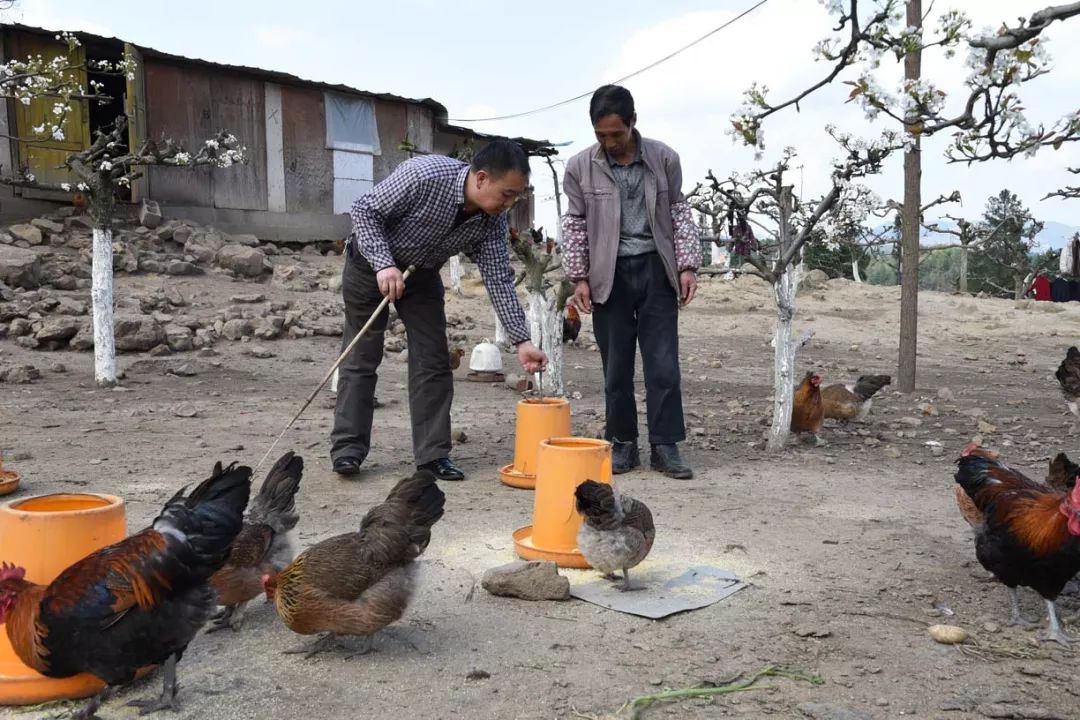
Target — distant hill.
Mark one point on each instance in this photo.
(1052, 237)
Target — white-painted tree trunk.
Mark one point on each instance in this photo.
(783, 357)
(545, 329)
(101, 297)
(500, 332)
(964, 269)
(455, 274)
(855, 270)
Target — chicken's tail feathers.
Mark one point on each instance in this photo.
(275, 504)
(868, 385)
(211, 516)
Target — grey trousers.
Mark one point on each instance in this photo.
(431, 382)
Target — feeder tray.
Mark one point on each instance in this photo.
(485, 377)
(45, 534)
(9, 480)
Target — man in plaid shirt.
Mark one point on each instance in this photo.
(429, 209)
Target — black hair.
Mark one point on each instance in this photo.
(501, 156)
(612, 100)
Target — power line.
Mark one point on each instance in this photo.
(650, 66)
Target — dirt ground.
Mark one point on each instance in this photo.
(850, 549)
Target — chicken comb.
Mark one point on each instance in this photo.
(969, 448)
(1074, 496)
(11, 572)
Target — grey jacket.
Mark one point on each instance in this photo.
(592, 219)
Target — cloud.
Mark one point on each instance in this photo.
(44, 14)
(280, 37)
(687, 101)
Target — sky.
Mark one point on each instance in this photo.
(481, 58)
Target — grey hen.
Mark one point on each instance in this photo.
(618, 531)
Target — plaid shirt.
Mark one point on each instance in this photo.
(409, 218)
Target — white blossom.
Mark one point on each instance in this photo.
(66, 187)
(182, 158)
(83, 187)
(105, 166)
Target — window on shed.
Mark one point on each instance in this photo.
(350, 124)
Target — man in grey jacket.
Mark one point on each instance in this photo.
(631, 249)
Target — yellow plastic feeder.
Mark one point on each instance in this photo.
(562, 464)
(46, 534)
(537, 420)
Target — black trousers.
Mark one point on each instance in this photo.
(642, 310)
(431, 382)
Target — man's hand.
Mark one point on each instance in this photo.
(531, 358)
(391, 283)
(687, 286)
(582, 298)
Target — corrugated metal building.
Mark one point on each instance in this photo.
(312, 147)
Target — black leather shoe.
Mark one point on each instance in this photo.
(347, 465)
(443, 469)
(666, 459)
(624, 456)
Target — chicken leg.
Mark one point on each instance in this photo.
(1016, 618)
(1054, 631)
(331, 641)
(232, 617)
(89, 709)
(167, 699)
(625, 587)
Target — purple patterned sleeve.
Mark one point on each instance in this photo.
(687, 240)
(492, 257)
(575, 237)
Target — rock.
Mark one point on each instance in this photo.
(262, 353)
(58, 368)
(330, 328)
(911, 421)
(19, 374)
(20, 268)
(242, 260)
(528, 580)
(19, 327)
(184, 370)
(459, 437)
(181, 234)
(827, 711)
(892, 452)
(814, 280)
(179, 338)
(201, 253)
(245, 240)
(160, 350)
(185, 410)
(985, 428)
(58, 328)
(239, 328)
(47, 225)
(70, 306)
(334, 284)
(84, 340)
(150, 214)
(947, 634)
(249, 298)
(209, 239)
(945, 394)
(179, 267)
(136, 333)
(268, 331)
(27, 233)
